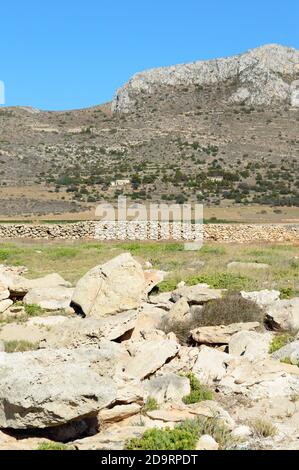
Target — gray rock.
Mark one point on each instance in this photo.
(111, 288)
(250, 344)
(262, 298)
(198, 294)
(262, 74)
(50, 298)
(283, 315)
(169, 387)
(48, 388)
(290, 351)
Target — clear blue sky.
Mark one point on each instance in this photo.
(71, 54)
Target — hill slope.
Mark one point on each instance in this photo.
(223, 131)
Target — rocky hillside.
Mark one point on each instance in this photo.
(113, 364)
(223, 132)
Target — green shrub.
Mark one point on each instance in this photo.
(150, 405)
(230, 309)
(279, 341)
(19, 346)
(221, 280)
(51, 446)
(199, 392)
(263, 428)
(33, 310)
(183, 436)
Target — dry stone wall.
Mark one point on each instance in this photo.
(240, 233)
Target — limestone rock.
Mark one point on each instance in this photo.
(47, 388)
(283, 315)
(211, 365)
(78, 332)
(242, 432)
(118, 413)
(148, 356)
(50, 298)
(207, 442)
(20, 286)
(169, 387)
(4, 292)
(220, 334)
(262, 298)
(5, 304)
(197, 294)
(290, 351)
(180, 310)
(153, 277)
(250, 344)
(162, 300)
(113, 287)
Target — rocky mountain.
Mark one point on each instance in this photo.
(259, 77)
(223, 132)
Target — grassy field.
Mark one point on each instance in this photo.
(73, 259)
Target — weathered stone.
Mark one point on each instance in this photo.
(149, 319)
(153, 277)
(262, 298)
(118, 413)
(220, 334)
(260, 378)
(197, 294)
(207, 442)
(5, 304)
(20, 286)
(50, 298)
(290, 351)
(77, 332)
(283, 315)
(4, 292)
(47, 388)
(162, 300)
(250, 344)
(242, 432)
(113, 287)
(149, 356)
(169, 387)
(211, 365)
(180, 310)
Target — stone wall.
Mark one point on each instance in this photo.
(240, 233)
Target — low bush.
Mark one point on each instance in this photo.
(199, 392)
(263, 428)
(232, 308)
(183, 436)
(150, 405)
(19, 346)
(279, 341)
(51, 446)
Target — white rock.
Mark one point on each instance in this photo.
(207, 442)
(211, 365)
(50, 298)
(5, 304)
(169, 387)
(262, 298)
(250, 344)
(284, 315)
(242, 432)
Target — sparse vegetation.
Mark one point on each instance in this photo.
(199, 392)
(151, 404)
(52, 446)
(279, 341)
(183, 437)
(263, 428)
(19, 346)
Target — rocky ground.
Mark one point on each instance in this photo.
(111, 363)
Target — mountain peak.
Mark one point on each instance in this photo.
(263, 77)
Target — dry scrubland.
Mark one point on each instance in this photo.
(209, 265)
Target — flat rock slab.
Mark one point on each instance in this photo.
(220, 334)
(47, 388)
(196, 295)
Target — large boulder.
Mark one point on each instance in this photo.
(146, 357)
(283, 315)
(250, 344)
(77, 332)
(113, 287)
(48, 388)
(50, 298)
(196, 295)
(290, 352)
(169, 387)
(220, 334)
(262, 298)
(19, 286)
(211, 365)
